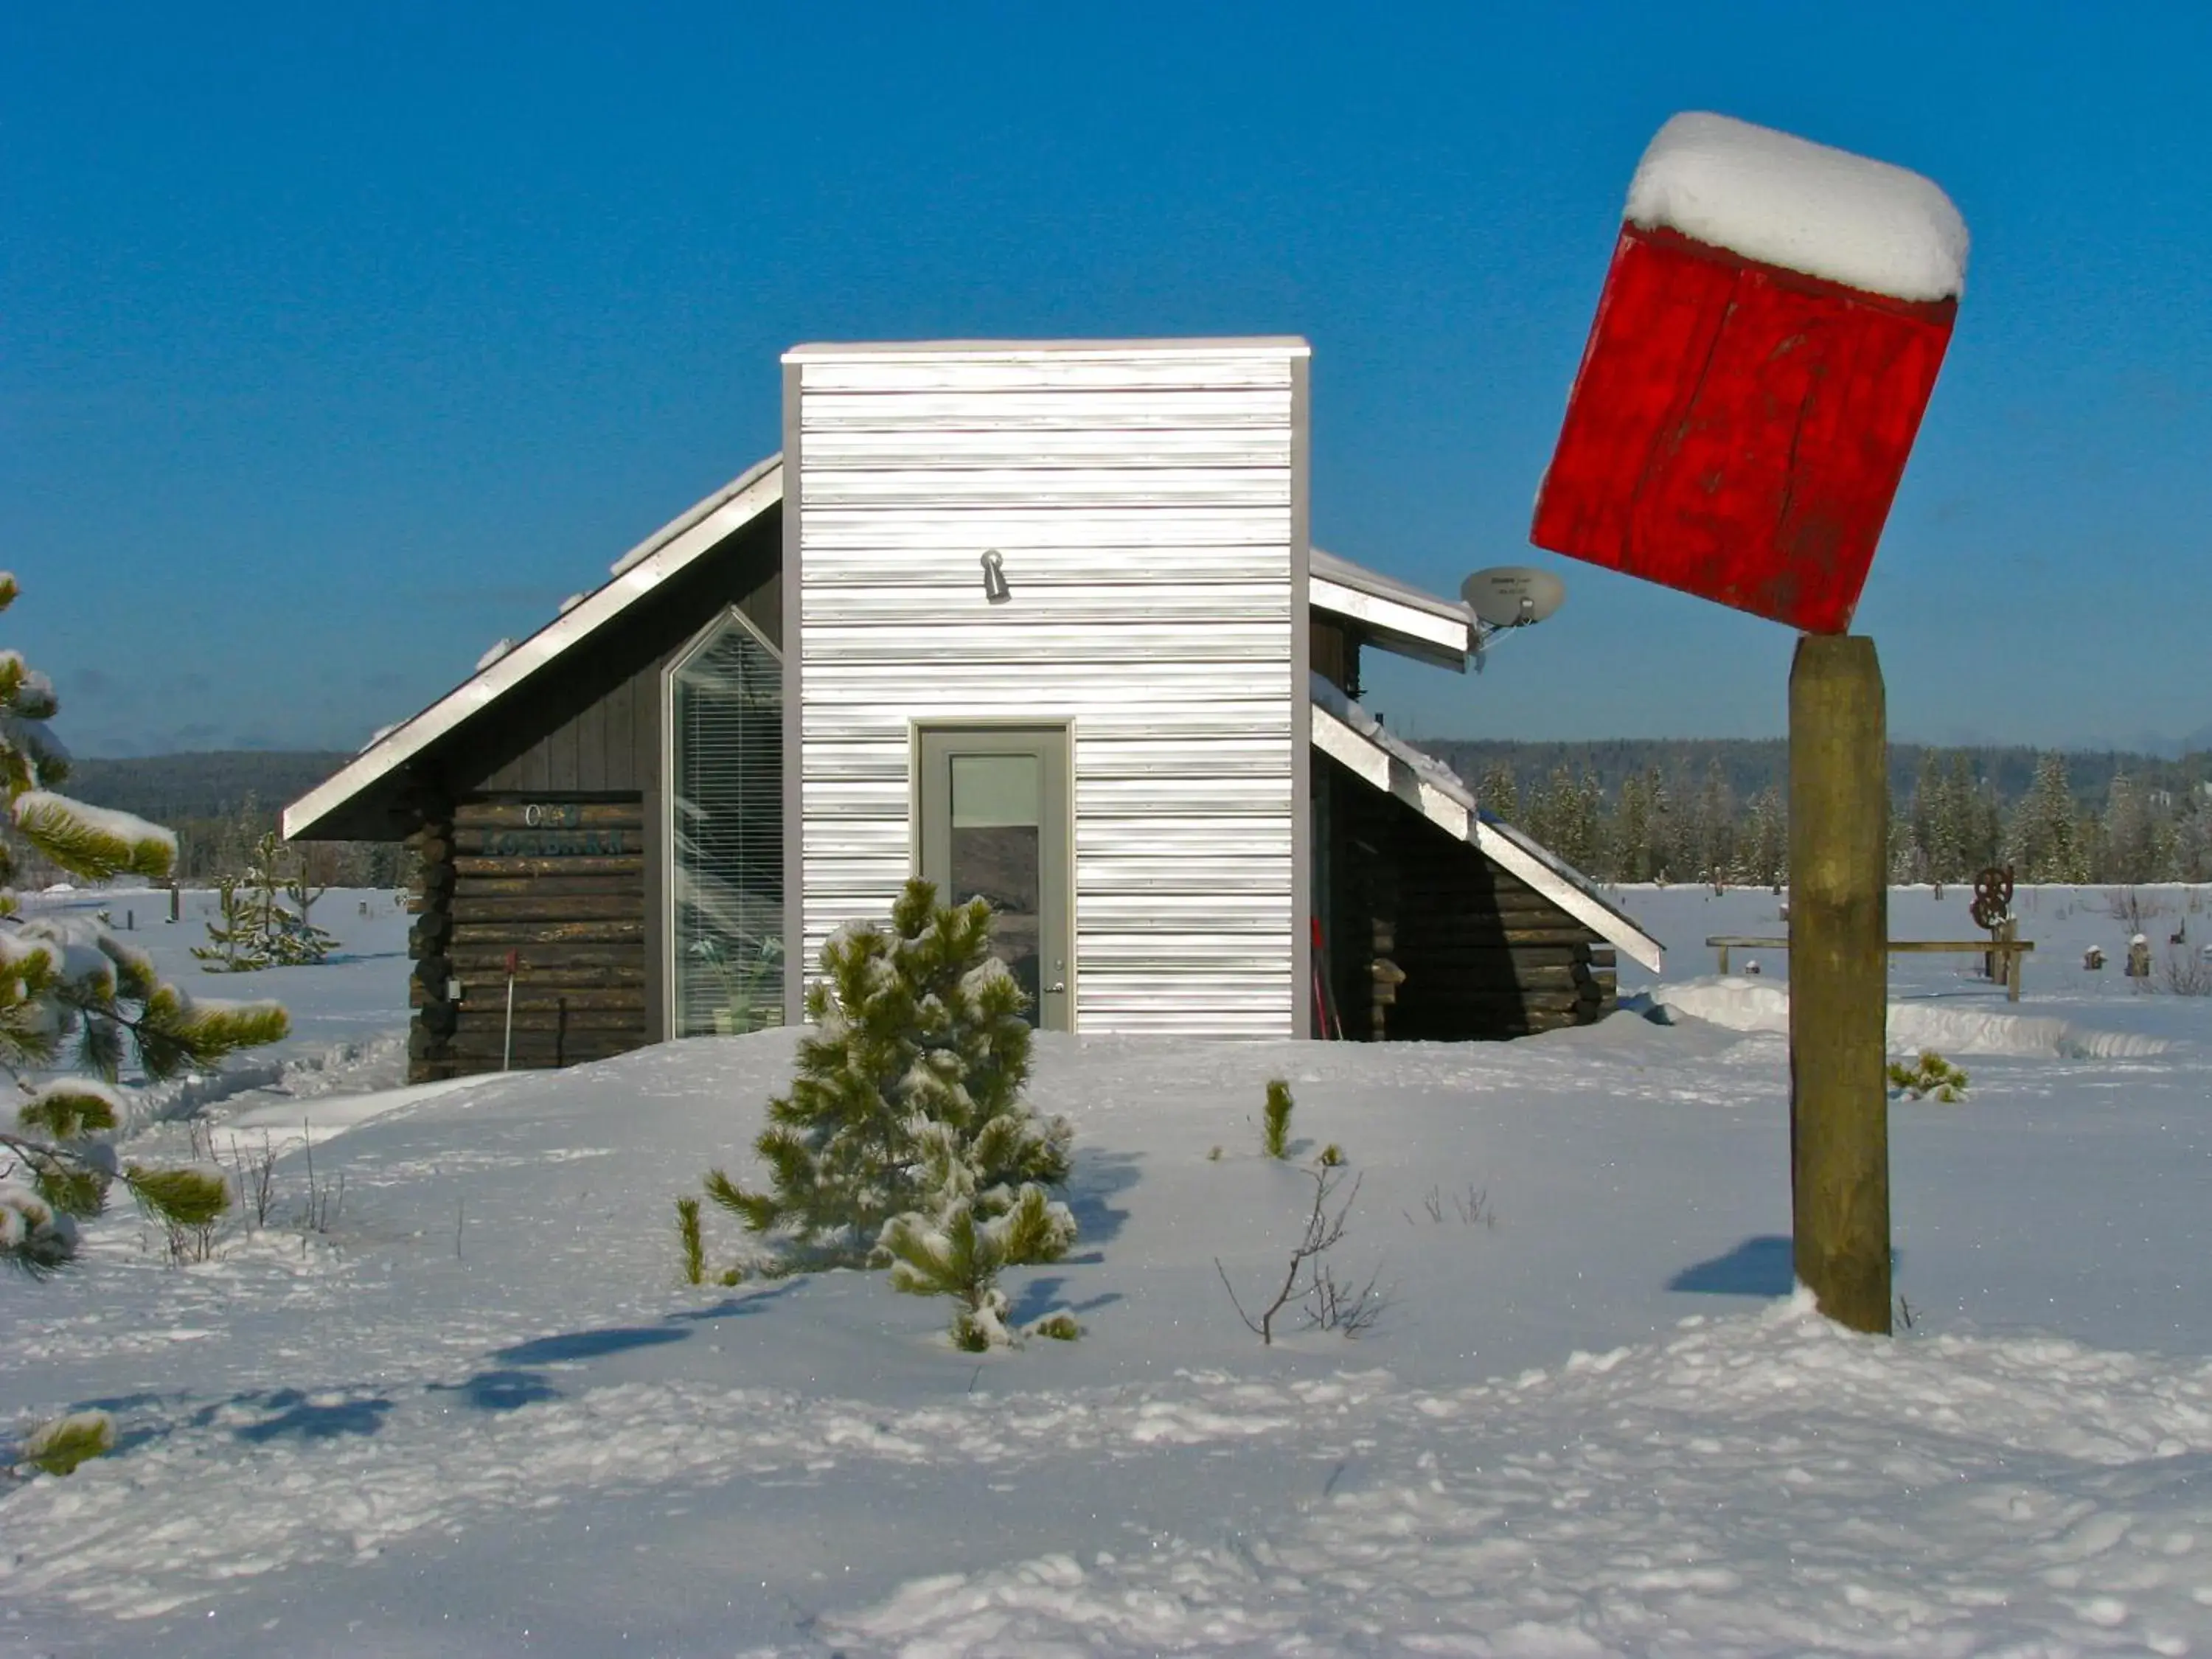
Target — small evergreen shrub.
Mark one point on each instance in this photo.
(1931, 1074)
(257, 931)
(1275, 1121)
(1057, 1327)
(904, 1140)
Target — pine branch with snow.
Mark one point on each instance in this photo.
(73, 995)
(961, 1254)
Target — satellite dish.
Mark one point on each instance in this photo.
(1512, 595)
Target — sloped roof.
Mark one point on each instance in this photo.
(1391, 614)
(676, 544)
(1347, 734)
(1395, 615)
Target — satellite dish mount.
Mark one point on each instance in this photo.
(1509, 596)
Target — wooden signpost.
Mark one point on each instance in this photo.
(1764, 348)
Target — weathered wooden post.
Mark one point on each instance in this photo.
(1764, 348)
(1838, 978)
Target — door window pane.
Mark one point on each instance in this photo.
(996, 854)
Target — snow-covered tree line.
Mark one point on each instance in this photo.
(80, 1009)
(1952, 824)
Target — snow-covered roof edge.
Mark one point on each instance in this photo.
(694, 532)
(1787, 201)
(1397, 614)
(1348, 734)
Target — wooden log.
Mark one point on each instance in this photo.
(474, 1020)
(592, 841)
(423, 1044)
(1480, 1008)
(1577, 934)
(1481, 977)
(549, 905)
(531, 995)
(551, 881)
(1502, 959)
(577, 964)
(1554, 1021)
(552, 814)
(536, 1051)
(477, 935)
(627, 864)
(1838, 975)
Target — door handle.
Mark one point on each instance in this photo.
(1060, 988)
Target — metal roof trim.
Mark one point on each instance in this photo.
(1391, 607)
(683, 540)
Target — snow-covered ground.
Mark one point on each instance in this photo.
(480, 1413)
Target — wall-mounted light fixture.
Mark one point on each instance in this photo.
(995, 590)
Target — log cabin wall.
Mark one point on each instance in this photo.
(539, 831)
(1484, 954)
(431, 989)
(560, 882)
(1333, 654)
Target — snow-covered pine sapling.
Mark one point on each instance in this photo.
(1275, 1119)
(303, 892)
(1931, 1074)
(906, 1102)
(233, 942)
(57, 1448)
(72, 994)
(255, 931)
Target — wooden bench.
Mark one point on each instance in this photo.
(2011, 950)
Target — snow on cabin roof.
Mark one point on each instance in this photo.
(1786, 201)
(1347, 734)
(1398, 616)
(669, 549)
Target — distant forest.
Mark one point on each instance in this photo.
(1620, 810)
(1689, 809)
(222, 802)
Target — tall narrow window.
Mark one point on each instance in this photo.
(726, 866)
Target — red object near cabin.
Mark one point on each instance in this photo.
(1737, 430)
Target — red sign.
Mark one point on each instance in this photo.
(1737, 430)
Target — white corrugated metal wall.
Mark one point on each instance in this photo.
(1148, 501)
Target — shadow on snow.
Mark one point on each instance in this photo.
(1764, 1265)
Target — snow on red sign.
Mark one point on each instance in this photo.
(1765, 344)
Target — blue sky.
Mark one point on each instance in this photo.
(336, 344)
